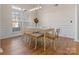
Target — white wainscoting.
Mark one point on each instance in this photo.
(67, 31)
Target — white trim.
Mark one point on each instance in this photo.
(76, 39)
(66, 36)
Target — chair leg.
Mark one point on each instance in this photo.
(41, 41)
(27, 39)
(54, 44)
(51, 43)
(29, 42)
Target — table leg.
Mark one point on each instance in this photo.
(35, 43)
(44, 43)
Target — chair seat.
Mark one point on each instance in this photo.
(37, 34)
(50, 36)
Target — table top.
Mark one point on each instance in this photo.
(38, 33)
(35, 34)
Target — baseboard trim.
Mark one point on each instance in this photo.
(10, 36)
(76, 40)
(67, 37)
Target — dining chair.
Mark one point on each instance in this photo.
(57, 31)
(48, 34)
(34, 34)
(52, 35)
(36, 37)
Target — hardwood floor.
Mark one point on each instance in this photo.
(18, 46)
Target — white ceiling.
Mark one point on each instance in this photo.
(25, 6)
(30, 6)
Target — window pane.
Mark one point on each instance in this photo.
(16, 29)
(15, 24)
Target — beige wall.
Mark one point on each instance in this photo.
(49, 16)
(5, 22)
(58, 17)
(6, 25)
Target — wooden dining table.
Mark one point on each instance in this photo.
(38, 33)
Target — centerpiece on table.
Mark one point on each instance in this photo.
(36, 24)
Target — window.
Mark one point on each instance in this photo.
(20, 19)
(16, 20)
